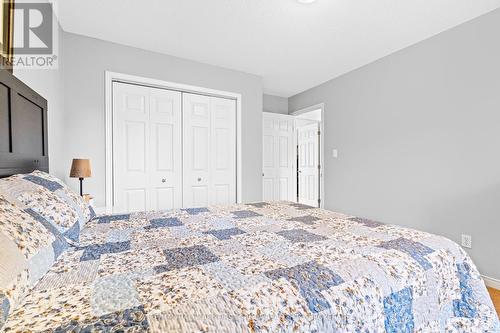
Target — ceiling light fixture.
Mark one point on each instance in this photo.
(306, 1)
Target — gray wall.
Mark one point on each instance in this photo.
(275, 104)
(86, 60)
(49, 84)
(418, 134)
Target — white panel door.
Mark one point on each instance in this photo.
(278, 182)
(196, 150)
(131, 140)
(172, 149)
(147, 148)
(223, 151)
(209, 151)
(165, 175)
(308, 164)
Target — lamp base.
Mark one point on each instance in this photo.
(81, 186)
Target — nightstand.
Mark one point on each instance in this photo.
(89, 199)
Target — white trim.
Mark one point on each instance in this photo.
(278, 115)
(109, 77)
(491, 282)
(322, 144)
(101, 210)
(108, 93)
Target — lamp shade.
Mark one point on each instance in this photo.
(80, 168)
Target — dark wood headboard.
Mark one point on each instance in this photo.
(23, 127)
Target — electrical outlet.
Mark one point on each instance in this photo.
(467, 241)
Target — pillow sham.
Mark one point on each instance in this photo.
(65, 192)
(28, 249)
(51, 200)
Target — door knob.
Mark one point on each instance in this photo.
(163, 180)
(199, 179)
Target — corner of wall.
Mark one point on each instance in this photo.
(275, 104)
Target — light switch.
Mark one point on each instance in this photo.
(335, 153)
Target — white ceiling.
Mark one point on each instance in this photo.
(292, 46)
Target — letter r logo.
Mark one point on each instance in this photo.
(33, 28)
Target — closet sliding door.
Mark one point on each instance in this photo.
(147, 161)
(209, 151)
(196, 150)
(165, 172)
(223, 151)
(172, 149)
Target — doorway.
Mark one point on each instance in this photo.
(308, 136)
(293, 156)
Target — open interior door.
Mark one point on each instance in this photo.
(278, 154)
(308, 164)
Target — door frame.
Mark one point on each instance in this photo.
(322, 150)
(110, 77)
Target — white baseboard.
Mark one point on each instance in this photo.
(101, 210)
(491, 282)
(108, 210)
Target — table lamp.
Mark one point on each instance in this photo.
(80, 168)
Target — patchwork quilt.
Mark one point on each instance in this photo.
(262, 267)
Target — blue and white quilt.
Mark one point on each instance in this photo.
(262, 267)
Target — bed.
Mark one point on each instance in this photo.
(256, 267)
(261, 267)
